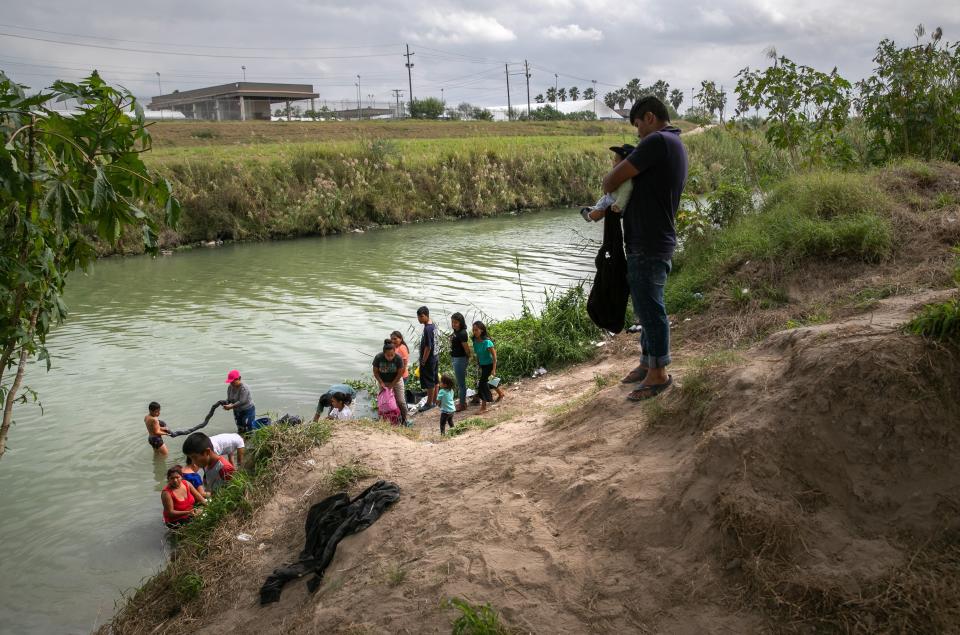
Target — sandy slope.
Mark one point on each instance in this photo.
(589, 518)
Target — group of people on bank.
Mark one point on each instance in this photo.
(210, 461)
(642, 196)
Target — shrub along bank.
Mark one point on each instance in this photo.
(318, 191)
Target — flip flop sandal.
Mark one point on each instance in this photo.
(650, 390)
(637, 374)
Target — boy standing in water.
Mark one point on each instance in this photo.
(216, 469)
(428, 358)
(155, 429)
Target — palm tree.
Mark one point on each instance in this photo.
(623, 95)
(574, 93)
(660, 88)
(676, 98)
(589, 93)
(633, 90)
(562, 94)
(539, 99)
(610, 99)
(552, 94)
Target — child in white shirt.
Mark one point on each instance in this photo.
(615, 201)
(340, 409)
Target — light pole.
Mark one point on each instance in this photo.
(244, 69)
(359, 115)
(594, 82)
(443, 99)
(160, 89)
(556, 87)
(370, 103)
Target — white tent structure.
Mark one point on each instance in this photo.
(566, 107)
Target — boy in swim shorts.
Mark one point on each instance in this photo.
(155, 429)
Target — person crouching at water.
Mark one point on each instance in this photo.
(178, 498)
(155, 429)
(326, 399)
(388, 371)
(216, 469)
(229, 445)
(240, 402)
(340, 406)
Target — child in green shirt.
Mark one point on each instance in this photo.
(445, 400)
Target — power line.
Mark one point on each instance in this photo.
(203, 46)
(187, 54)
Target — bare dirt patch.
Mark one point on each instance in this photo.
(815, 489)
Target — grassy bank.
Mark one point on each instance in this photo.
(363, 175)
(180, 134)
(209, 538)
(815, 216)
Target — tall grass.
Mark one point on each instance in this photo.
(938, 322)
(820, 215)
(312, 189)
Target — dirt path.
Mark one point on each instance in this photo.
(579, 513)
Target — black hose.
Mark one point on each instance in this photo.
(206, 420)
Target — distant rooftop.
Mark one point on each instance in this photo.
(271, 92)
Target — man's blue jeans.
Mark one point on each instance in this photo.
(647, 278)
(244, 420)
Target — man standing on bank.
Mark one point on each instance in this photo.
(658, 167)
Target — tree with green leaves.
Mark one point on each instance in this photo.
(712, 99)
(539, 98)
(807, 108)
(562, 94)
(426, 108)
(623, 96)
(911, 104)
(574, 93)
(66, 180)
(610, 99)
(632, 91)
(551, 95)
(676, 98)
(589, 93)
(660, 89)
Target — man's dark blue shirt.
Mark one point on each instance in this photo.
(649, 219)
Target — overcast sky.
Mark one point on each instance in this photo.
(459, 46)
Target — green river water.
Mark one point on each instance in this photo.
(79, 486)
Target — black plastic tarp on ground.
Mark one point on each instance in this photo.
(329, 522)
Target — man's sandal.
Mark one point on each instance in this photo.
(650, 390)
(637, 374)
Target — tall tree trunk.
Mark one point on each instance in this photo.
(11, 395)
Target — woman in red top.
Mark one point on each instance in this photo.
(178, 498)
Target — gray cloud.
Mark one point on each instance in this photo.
(460, 46)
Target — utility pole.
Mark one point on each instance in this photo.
(594, 82)
(396, 93)
(244, 69)
(359, 116)
(443, 100)
(506, 70)
(160, 88)
(526, 72)
(556, 87)
(409, 66)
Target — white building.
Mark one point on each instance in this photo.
(566, 107)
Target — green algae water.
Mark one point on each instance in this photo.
(79, 486)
